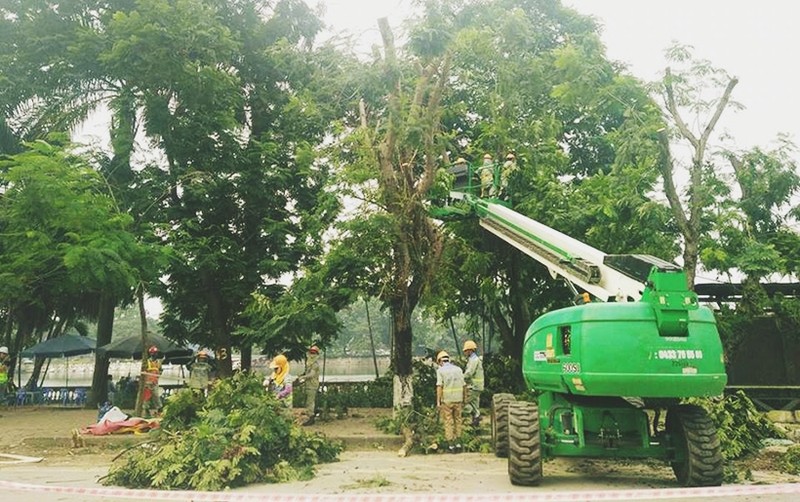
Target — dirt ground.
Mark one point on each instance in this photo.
(371, 466)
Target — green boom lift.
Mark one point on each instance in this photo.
(605, 370)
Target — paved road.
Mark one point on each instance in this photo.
(381, 475)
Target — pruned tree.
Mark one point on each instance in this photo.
(703, 92)
(403, 142)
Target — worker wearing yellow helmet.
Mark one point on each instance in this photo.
(450, 394)
(280, 381)
(473, 376)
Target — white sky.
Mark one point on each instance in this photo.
(750, 39)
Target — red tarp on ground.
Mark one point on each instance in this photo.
(129, 426)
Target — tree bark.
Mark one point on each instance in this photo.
(105, 328)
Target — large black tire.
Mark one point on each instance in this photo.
(694, 437)
(500, 423)
(524, 444)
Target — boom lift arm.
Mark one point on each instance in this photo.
(607, 277)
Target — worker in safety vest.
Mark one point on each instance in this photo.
(509, 166)
(473, 376)
(486, 174)
(310, 381)
(5, 362)
(450, 394)
(200, 373)
(151, 400)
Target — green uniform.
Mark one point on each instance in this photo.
(473, 376)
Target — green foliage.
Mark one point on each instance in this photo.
(740, 426)
(240, 435)
(501, 374)
(790, 462)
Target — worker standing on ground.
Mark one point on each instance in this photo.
(200, 373)
(473, 376)
(486, 174)
(5, 362)
(450, 395)
(151, 400)
(310, 380)
(280, 381)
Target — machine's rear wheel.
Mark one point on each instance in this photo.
(695, 439)
(524, 444)
(500, 423)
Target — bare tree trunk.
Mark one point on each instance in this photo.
(143, 324)
(105, 327)
(218, 321)
(371, 339)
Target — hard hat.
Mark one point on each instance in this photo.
(3, 350)
(487, 156)
(470, 345)
(461, 160)
(152, 350)
(202, 353)
(442, 356)
(279, 361)
(313, 349)
(510, 156)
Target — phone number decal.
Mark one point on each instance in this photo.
(673, 354)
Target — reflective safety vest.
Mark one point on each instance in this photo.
(473, 374)
(450, 378)
(4, 371)
(153, 371)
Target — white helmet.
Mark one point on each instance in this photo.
(3, 350)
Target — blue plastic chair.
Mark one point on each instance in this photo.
(80, 396)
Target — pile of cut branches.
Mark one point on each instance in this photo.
(239, 434)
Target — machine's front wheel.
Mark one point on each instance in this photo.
(697, 446)
(500, 423)
(524, 444)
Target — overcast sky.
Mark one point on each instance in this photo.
(752, 40)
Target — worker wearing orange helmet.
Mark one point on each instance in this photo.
(280, 381)
(310, 381)
(200, 373)
(473, 376)
(450, 395)
(151, 398)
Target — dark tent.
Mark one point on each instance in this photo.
(65, 346)
(62, 346)
(130, 347)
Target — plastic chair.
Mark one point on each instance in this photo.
(80, 396)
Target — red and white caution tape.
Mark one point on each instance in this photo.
(528, 496)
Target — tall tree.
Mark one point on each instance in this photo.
(64, 240)
(399, 146)
(704, 92)
(532, 77)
